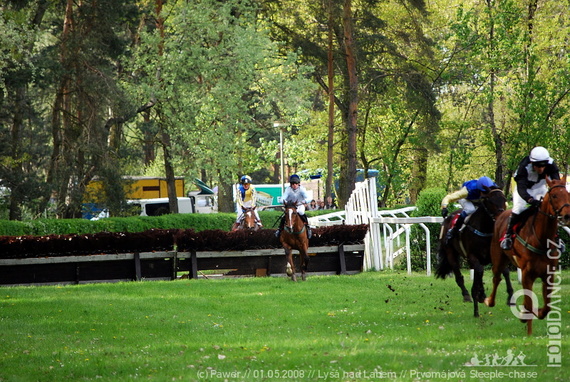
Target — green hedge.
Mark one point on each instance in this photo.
(198, 222)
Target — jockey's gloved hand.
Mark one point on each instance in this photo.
(444, 212)
(533, 202)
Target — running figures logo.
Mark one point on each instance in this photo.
(494, 359)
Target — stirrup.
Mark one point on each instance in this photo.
(277, 233)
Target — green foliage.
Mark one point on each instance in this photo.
(429, 202)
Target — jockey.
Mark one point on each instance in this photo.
(530, 178)
(297, 195)
(246, 197)
(468, 196)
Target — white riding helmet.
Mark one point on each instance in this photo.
(539, 154)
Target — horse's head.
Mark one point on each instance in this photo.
(556, 202)
(248, 219)
(494, 201)
(291, 216)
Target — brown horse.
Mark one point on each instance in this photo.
(294, 236)
(247, 220)
(473, 244)
(535, 250)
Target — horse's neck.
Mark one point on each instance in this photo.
(541, 225)
(480, 219)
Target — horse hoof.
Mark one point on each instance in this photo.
(490, 303)
(467, 298)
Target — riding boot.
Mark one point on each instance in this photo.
(507, 242)
(306, 221)
(455, 229)
(281, 225)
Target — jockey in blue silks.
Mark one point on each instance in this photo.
(468, 196)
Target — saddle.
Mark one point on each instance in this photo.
(454, 219)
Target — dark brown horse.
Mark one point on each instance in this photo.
(472, 243)
(535, 250)
(294, 236)
(247, 220)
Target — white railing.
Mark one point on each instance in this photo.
(362, 208)
(333, 218)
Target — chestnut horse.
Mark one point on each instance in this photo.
(294, 236)
(535, 250)
(472, 243)
(247, 220)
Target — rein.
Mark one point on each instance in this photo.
(485, 206)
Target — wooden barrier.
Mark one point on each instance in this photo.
(342, 259)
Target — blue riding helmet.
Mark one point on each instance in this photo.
(483, 182)
(245, 179)
(294, 179)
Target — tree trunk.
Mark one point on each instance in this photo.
(330, 136)
(349, 173)
(16, 196)
(419, 170)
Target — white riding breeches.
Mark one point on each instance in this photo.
(537, 192)
(467, 206)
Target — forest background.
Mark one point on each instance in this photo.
(429, 93)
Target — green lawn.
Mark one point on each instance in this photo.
(370, 326)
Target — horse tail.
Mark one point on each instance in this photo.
(443, 267)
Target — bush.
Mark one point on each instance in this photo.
(428, 204)
(198, 222)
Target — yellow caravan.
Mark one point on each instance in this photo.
(139, 187)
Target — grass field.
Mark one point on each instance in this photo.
(366, 327)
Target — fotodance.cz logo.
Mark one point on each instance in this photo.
(554, 318)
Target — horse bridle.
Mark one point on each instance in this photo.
(485, 207)
(556, 211)
(475, 230)
(294, 212)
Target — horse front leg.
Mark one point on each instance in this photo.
(498, 259)
(290, 264)
(477, 290)
(490, 301)
(528, 279)
(543, 312)
(304, 264)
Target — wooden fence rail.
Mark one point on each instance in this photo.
(342, 259)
